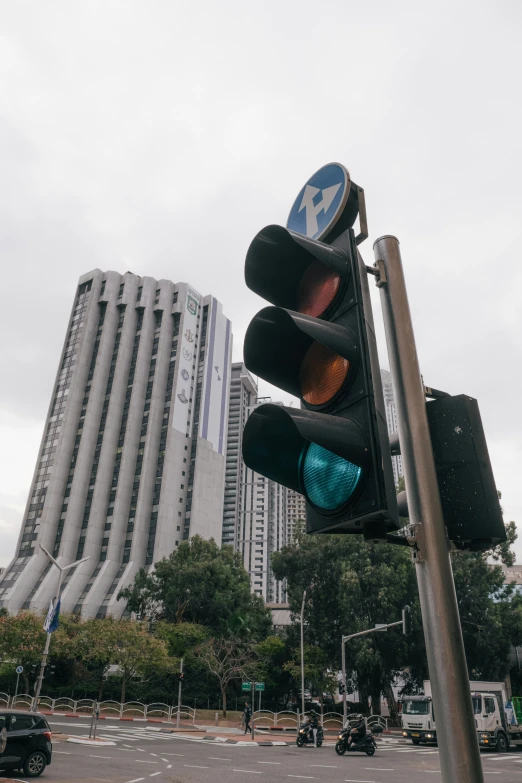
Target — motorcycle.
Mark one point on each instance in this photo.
(365, 745)
(305, 736)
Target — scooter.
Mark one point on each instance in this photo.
(365, 745)
(305, 736)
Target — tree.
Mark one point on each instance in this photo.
(351, 586)
(490, 611)
(107, 642)
(199, 583)
(318, 677)
(22, 641)
(227, 660)
(272, 654)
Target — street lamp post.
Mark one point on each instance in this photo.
(62, 570)
(343, 656)
(302, 657)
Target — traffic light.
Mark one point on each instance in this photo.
(468, 494)
(341, 688)
(407, 626)
(181, 676)
(317, 342)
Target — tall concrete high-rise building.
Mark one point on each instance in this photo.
(295, 511)
(391, 420)
(255, 520)
(132, 460)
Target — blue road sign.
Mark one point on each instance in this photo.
(19, 669)
(320, 202)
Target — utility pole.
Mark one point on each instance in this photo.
(62, 570)
(302, 658)
(343, 656)
(180, 683)
(456, 731)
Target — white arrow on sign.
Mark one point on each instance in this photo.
(312, 210)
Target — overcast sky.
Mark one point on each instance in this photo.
(160, 136)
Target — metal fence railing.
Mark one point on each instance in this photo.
(286, 719)
(108, 709)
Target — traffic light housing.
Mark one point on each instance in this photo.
(317, 342)
(407, 624)
(469, 497)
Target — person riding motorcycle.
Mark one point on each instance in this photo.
(357, 730)
(313, 724)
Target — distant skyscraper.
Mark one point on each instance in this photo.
(132, 459)
(391, 420)
(255, 518)
(296, 511)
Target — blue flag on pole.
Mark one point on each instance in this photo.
(49, 617)
(55, 618)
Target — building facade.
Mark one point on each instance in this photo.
(391, 420)
(256, 518)
(132, 460)
(296, 512)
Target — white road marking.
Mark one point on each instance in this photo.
(94, 756)
(153, 774)
(136, 780)
(323, 766)
(267, 762)
(175, 754)
(165, 760)
(194, 766)
(248, 771)
(153, 754)
(218, 758)
(304, 777)
(140, 761)
(64, 752)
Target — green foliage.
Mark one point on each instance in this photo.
(203, 584)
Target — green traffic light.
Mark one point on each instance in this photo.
(329, 480)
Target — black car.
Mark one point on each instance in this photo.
(25, 742)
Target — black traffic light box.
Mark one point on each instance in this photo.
(468, 494)
(317, 342)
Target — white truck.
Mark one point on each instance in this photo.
(495, 719)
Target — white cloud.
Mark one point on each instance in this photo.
(161, 137)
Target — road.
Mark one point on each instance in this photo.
(142, 755)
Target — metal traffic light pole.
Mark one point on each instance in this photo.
(456, 731)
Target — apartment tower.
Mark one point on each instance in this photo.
(132, 460)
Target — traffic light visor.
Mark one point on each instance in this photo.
(296, 449)
(309, 358)
(293, 271)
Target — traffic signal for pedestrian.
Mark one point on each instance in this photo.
(407, 625)
(317, 342)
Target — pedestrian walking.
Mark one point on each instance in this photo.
(247, 715)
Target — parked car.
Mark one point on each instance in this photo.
(25, 742)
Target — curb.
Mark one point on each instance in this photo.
(85, 741)
(243, 743)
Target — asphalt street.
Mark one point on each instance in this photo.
(141, 755)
